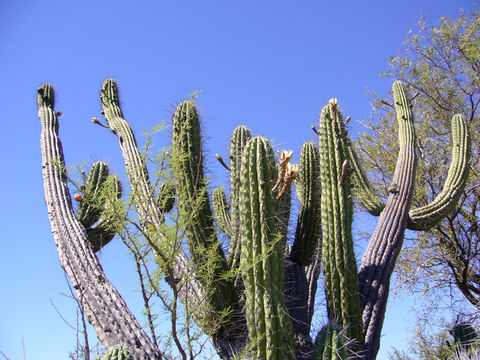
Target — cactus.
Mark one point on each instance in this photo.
(91, 205)
(116, 352)
(166, 198)
(103, 231)
(221, 210)
(464, 335)
(195, 206)
(363, 191)
(307, 235)
(239, 139)
(426, 217)
(105, 308)
(261, 264)
(339, 265)
(331, 343)
(266, 315)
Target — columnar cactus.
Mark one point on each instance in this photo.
(239, 139)
(338, 259)
(261, 257)
(266, 311)
(385, 244)
(307, 235)
(103, 305)
(195, 208)
(332, 343)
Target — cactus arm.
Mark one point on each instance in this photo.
(239, 139)
(192, 291)
(338, 259)
(426, 217)
(105, 308)
(307, 234)
(385, 244)
(91, 205)
(103, 231)
(220, 208)
(261, 258)
(195, 207)
(363, 190)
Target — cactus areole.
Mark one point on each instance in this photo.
(256, 300)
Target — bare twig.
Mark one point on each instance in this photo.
(220, 160)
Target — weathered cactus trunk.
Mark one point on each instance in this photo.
(103, 305)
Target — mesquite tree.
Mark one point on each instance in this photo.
(257, 300)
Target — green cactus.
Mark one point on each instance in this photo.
(103, 231)
(427, 216)
(338, 258)
(362, 190)
(331, 344)
(90, 207)
(116, 352)
(100, 191)
(464, 335)
(194, 204)
(239, 139)
(272, 320)
(307, 235)
(166, 198)
(221, 210)
(261, 258)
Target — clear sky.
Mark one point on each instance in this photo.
(270, 65)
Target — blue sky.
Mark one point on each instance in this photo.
(270, 65)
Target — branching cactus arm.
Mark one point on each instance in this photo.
(105, 308)
(427, 216)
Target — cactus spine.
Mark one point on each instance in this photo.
(338, 259)
(261, 256)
